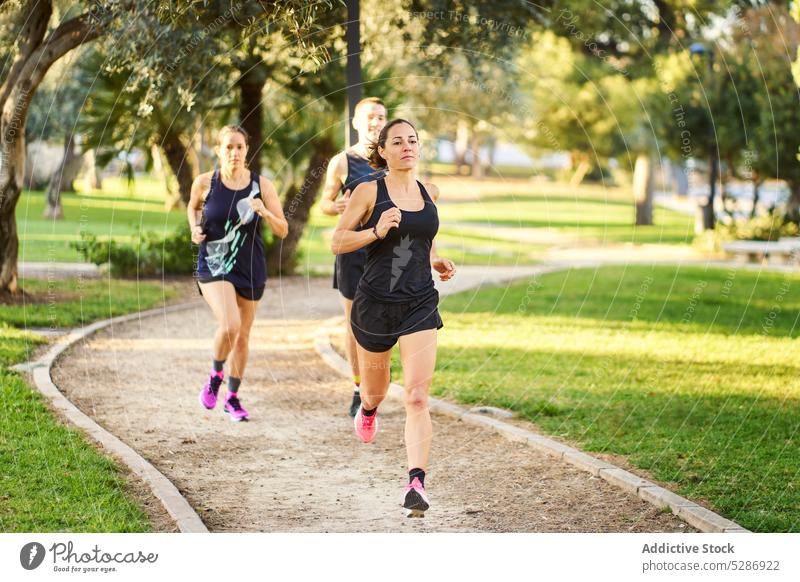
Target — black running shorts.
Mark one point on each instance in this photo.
(249, 293)
(377, 325)
(347, 272)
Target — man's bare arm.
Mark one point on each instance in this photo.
(334, 178)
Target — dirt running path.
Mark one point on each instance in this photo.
(297, 466)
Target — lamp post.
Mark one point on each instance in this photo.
(705, 217)
(353, 35)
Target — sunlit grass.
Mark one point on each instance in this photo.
(52, 478)
(690, 373)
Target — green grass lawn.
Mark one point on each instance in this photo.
(81, 301)
(583, 215)
(587, 212)
(691, 374)
(114, 212)
(51, 478)
(120, 218)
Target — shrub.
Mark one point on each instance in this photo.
(768, 227)
(148, 255)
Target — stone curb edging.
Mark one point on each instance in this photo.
(692, 513)
(165, 491)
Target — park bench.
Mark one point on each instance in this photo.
(785, 250)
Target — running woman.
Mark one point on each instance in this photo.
(347, 170)
(225, 212)
(396, 299)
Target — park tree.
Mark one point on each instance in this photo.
(306, 128)
(683, 113)
(739, 109)
(562, 106)
(396, 48)
(121, 114)
(773, 38)
(457, 68)
(588, 107)
(469, 104)
(41, 32)
(38, 44)
(164, 95)
(228, 53)
(113, 123)
(629, 133)
(629, 34)
(737, 115)
(601, 62)
(261, 41)
(53, 116)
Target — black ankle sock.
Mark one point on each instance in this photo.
(419, 474)
(369, 412)
(217, 365)
(233, 384)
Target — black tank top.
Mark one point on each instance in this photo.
(399, 266)
(233, 249)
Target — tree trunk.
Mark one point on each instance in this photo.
(681, 180)
(251, 112)
(707, 219)
(581, 169)
(15, 95)
(206, 157)
(172, 200)
(460, 145)
(756, 195)
(177, 158)
(62, 180)
(93, 179)
(477, 165)
(158, 166)
(36, 15)
(282, 254)
(707, 208)
(793, 204)
(643, 190)
(9, 243)
(492, 153)
(34, 58)
(12, 172)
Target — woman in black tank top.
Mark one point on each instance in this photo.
(396, 299)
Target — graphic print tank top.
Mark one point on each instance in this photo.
(399, 266)
(233, 250)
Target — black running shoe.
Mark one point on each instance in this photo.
(415, 500)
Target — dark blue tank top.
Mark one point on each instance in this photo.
(399, 266)
(358, 171)
(233, 250)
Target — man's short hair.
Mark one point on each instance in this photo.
(367, 100)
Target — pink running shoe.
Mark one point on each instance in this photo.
(234, 408)
(415, 501)
(366, 426)
(208, 395)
